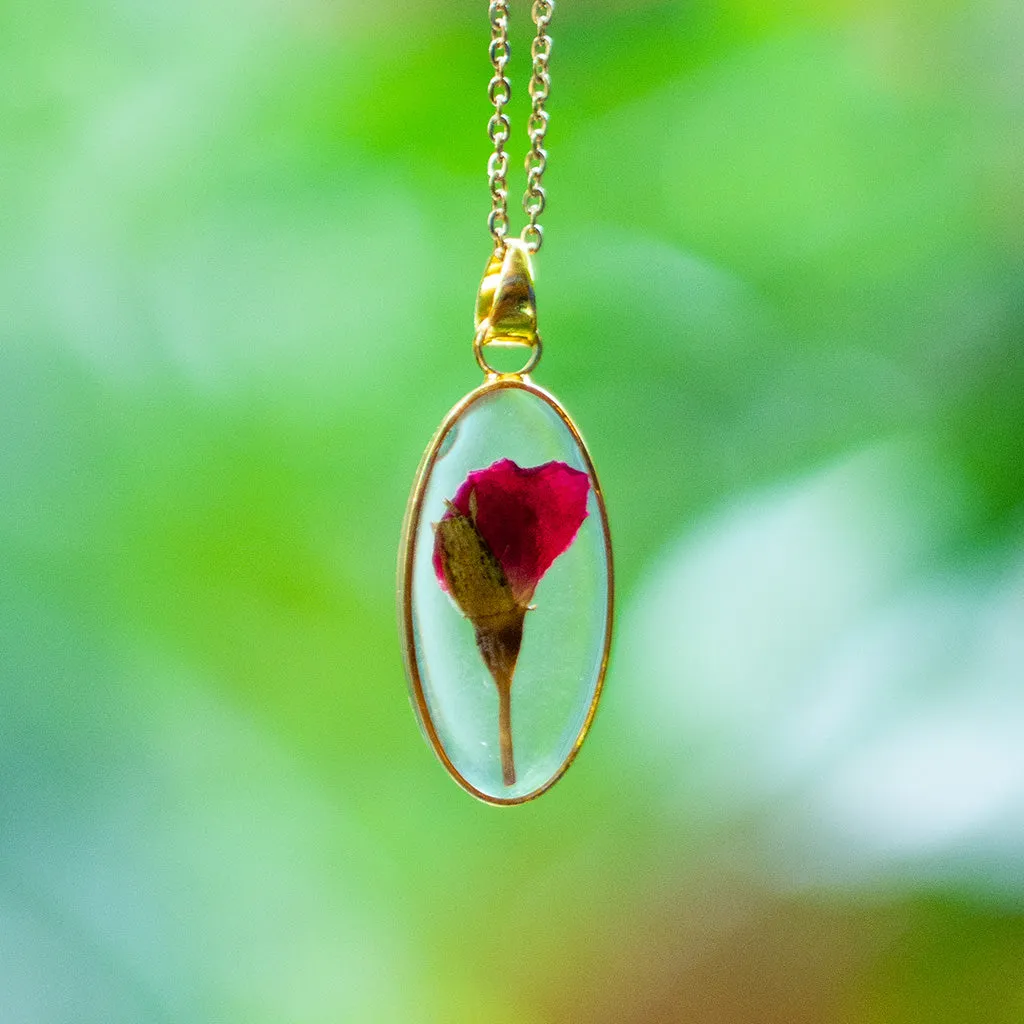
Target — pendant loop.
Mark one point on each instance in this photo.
(506, 307)
(478, 351)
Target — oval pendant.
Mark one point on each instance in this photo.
(506, 591)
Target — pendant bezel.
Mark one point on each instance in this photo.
(493, 383)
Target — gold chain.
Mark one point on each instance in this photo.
(498, 127)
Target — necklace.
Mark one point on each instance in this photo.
(505, 567)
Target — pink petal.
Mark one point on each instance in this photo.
(527, 517)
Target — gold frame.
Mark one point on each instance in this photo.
(492, 383)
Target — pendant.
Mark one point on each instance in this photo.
(505, 569)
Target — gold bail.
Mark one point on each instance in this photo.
(506, 310)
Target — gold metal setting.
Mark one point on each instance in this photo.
(506, 308)
(493, 382)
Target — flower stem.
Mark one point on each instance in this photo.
(508, 765)
(499, 643)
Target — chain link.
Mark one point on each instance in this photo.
(499, 128)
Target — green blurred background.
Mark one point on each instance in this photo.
(782, 293)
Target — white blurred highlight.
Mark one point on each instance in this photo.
(807, 659)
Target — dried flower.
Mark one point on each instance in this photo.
(502, 531)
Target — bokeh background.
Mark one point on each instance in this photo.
(781, 291)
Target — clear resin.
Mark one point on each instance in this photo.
(507, 591)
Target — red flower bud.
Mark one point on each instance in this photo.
(526, 517)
